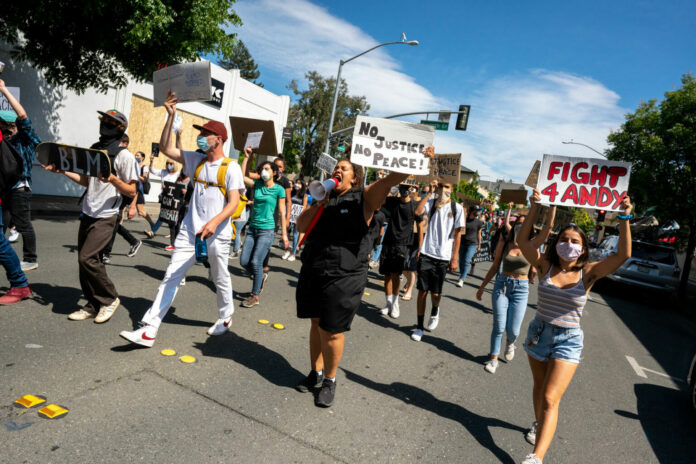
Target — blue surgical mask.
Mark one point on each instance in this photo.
(202, 142)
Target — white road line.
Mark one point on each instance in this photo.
(640, 371)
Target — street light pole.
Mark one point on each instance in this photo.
(570, 142)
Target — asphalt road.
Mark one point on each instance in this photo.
(397, 400)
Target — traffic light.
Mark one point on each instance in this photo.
(598, 227)
(600, 215)
(462, 118)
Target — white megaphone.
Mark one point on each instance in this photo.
(319, 190)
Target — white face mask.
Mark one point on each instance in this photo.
(265, 175)
(444, 196)
(569, 251)
(170, 167)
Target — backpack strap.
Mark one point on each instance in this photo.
(221, 174)
(453, 205)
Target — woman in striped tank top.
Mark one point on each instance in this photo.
(554, 339)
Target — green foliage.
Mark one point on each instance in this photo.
(469, 189)
(660, 140)
(241, 59)
(98, 43)
(309, 115)
(583, 220)
(292, 150)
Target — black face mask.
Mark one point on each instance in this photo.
(404, 191)
(108, 130)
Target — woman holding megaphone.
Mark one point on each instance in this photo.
(334, 266)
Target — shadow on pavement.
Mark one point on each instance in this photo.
(65, 300)
(478, 426)
(267, 363)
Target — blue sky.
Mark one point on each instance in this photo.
(535, 72)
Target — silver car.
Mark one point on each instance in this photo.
(650, 265)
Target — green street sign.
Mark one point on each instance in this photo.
(341, 148)
(439, 125)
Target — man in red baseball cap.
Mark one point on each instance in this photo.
(217, 182)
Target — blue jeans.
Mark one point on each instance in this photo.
(256, 245)
(509, 305)
(10, 261)
(466, 254)
(156, 226)
(378, 249)
(295, 235)
(238, 225)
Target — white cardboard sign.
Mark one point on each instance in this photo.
(392, 145)
(253, 140)
(4, 104)
(326, 163)
(295, 213)
(583, 182)
(190, 81)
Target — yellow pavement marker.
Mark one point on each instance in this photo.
(187, 359)
(52, 411)
(278, 326)
(167, 352)
(29, 401)
(368, 294)
(263, 321)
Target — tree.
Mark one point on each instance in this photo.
(582, 219)
(468, 189)
(292, 150)
(99, 43)
(241, 59)
(660, 140)
(309, 115)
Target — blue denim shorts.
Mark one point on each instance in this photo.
(546, 341)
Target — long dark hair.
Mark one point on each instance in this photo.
(303, 190)
(552, 254)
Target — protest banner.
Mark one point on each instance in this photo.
(533, 176)
(172, 199)
(445, 168)
(484, 254)
(295, 213)
(326, 163)
(4, 104)
(583, 182)
(87, 161)
(517, 196)
(190, 81)
(393, 145)
(242, 127)
(253, 140)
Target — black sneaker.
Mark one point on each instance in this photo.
(311, 382)
(134, 249)
(106, 259)
(325, 398)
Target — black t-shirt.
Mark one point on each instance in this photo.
(283, 181)
(472, 228)
(401, 218)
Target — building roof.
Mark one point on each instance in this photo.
(465, 170)
(500, 185)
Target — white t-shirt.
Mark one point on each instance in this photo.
(439, 237)
(103, 199)
(165, 175)
(206, 203)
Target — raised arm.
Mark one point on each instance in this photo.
(166, 147)
(16, 106)
(249, 177)
(528, 247)
(613, 262)
(420, 208)
(540, 239)
(508, 227)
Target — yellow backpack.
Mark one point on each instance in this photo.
(222, 172)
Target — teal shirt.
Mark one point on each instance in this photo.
(265, 201)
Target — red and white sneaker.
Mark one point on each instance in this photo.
(169, 248)
(15, 295)
(220, 327)
(144, 336)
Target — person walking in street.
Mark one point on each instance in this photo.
(471, 243)
(19, 132)
(169, 174)
(261, 229)
(398, 236)
(100, 208)
(554, 339)
(510, 291)
(239, 224)
(299, 197)
(283, 181)
(334, 269)
(439, 252)
(143, 185)
(217, 184)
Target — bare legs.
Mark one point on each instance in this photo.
(551, 379)
(325, 349)
(410, 282)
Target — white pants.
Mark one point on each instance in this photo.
(183, 257)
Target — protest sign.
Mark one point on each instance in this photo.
(393, 145)
(242, 127)
(4, 104)
(295, 213)
(533, 176)
(253, 140)
(172, 200)
(190, 81)
(583, 182)
(517, 196)
(87, 161)
(484, 254)
(326, 163)
(445, 168)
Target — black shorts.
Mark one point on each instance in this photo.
(411, 261)
(141, 198)
(333, 300)
(393, 259)
(431, 274)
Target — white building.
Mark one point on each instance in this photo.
(61, 115)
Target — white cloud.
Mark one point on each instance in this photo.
(514, 119)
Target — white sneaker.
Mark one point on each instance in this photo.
(286, 255)
(14, 235)
(460, 283)
(144, 336)
(531, 458)
(220, 327)
(530, 436)
(417, 335)
(432, 322)
(394, 313)
(27, 266)
(491, 365)
(183, 282)
(384, 311)
(291, 258)
(510, 352)
(82, 314)
(105, 312)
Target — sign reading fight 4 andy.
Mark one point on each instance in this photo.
(391, 145)
(583, 182)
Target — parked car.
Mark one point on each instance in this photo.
(651, 265)
(691, 381)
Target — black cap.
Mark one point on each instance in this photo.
(117, 115)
